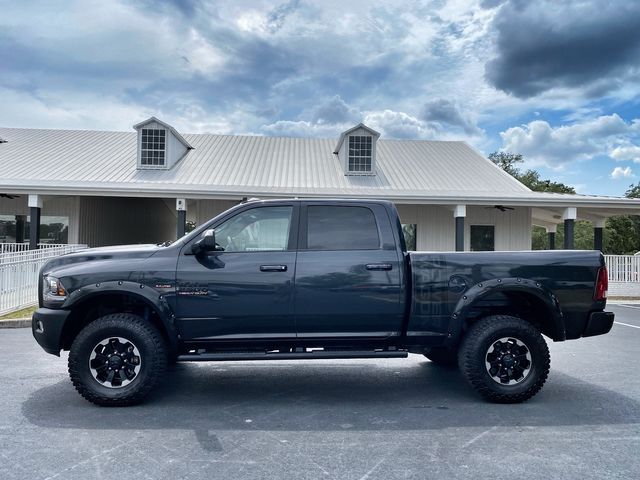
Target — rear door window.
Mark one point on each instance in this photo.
(341, 228)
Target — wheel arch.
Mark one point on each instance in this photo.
(523, 298)
(100, 300)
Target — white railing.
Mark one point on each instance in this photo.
(624, 275)
(23, 247)
(623, 268)
(19, 275)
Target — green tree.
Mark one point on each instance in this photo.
(509, 163)
(622, 232)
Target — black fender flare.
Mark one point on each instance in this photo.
(154, 299)
(485, 288)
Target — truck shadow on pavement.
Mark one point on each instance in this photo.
(293, 396)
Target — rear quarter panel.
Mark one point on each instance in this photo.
(439, 280)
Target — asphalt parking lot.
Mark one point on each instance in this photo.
(351, 419)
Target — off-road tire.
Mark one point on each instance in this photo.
(153, 356)
(473, 351)
(445, 357)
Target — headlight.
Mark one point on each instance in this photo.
(52, 289)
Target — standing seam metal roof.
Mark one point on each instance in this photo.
(253, 163)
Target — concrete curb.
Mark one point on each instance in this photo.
(15, 323)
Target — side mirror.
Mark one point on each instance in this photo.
(206, 244)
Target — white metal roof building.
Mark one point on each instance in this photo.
(103, 181)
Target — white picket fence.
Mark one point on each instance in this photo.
(19, 274)
(23, 247)
(624, 275)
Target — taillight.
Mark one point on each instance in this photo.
(602, 285)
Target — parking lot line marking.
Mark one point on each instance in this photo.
(478, 437)
(626, 306)
(627, 325)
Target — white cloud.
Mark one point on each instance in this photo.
(393, 124)
(626, 152)
(302, 128)
(542, 144)
(620, 172)
(334, 116)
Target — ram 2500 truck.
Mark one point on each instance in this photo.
(309, 279)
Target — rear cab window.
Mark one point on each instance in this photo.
(332, 227)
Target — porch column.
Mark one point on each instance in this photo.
(459, 212)
(598, 230)
(551, 234)
(181, 207)
(569, 216)
(35, 206)
(20, 221)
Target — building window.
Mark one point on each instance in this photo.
(483, 238)
(409, 230)
(360, 153)
(152, 149)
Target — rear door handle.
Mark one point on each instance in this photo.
(379, 266)
(273, 268)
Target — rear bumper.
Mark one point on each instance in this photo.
(599, 323)
(46, 326)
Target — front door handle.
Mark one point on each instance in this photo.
(273, 268)
(379, 266)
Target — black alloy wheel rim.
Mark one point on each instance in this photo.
(115, 362)
(508, 361)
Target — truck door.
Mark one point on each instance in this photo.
(347, 273)
(245, 289)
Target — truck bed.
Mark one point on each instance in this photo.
(452, 284)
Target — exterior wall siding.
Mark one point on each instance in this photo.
(436, 226)
(99, 221)
(205, 210)
(512, 227)
(175, 149)
(435, 229)
(120, 221)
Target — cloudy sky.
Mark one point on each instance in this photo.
(555, 81)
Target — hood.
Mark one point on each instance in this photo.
(102, 253)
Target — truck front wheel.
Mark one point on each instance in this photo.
(504, 358)
(117, 360)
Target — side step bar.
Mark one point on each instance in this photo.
(318, 354)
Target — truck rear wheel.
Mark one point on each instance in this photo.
(504, 358)
(117, 360)
(445, 357)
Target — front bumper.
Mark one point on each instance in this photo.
(599, 323)
(46, 326)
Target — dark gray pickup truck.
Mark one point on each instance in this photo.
(309, 279)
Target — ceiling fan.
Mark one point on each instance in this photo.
(502, 208)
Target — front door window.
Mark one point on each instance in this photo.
(256, 230)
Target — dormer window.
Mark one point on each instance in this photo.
(153, 147)
(360, 153)
(356, 150)
(160, 146)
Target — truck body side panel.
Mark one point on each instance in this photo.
(441, 280)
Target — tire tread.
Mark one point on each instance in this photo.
(155, 370)
(474, 372)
